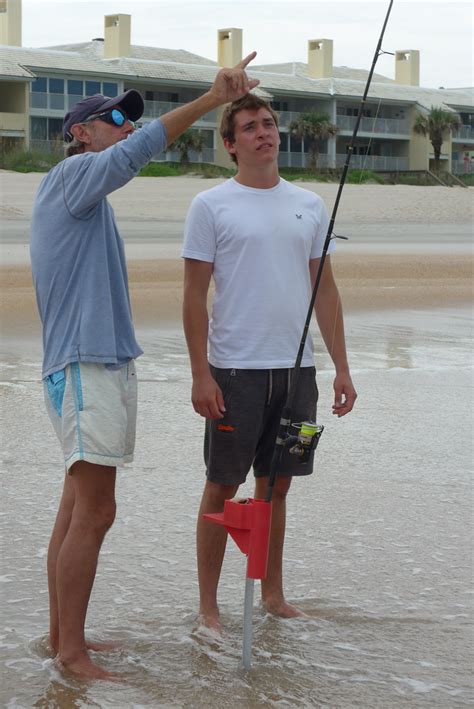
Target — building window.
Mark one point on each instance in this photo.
(283, 142)
(39, 128)
(92, 87)
(295, 144)
(110, 89)
(39, 85)
(56, 86)
(75, 88)
(55, 128)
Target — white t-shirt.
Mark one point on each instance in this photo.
(260, 242)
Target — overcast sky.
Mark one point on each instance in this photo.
(278, 29)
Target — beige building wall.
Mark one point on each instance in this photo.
(229, 53)
(14, 114)
(418, 149)
(117, 34)
(407, 67)
(10, 22)
(320, 53)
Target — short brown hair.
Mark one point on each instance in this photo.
(249, 102)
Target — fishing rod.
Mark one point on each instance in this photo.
(309, 433)
(248, 521)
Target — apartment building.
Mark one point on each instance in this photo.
(37, 87)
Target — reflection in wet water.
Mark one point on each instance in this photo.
(377, 552)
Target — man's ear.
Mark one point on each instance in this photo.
(81, 133)
(229, 145)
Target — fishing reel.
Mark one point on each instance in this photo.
(306, 441)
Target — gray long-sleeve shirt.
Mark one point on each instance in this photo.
(78, 257)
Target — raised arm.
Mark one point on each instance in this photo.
(330, 319)
(206, 395)
(229, 85)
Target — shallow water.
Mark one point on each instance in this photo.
(377, 548)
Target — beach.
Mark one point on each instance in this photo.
(408, 246)
(378, 540)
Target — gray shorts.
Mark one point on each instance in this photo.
(254, 399)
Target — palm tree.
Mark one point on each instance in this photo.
(436, 124)
(189, 140)
(313, 127)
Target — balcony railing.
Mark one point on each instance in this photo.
(54, 102)
(388, 126)
(301, 160)
(63, 102)
(56, 147)
(374, 162)
(155, 109)
(48, 146)
(207, 156)
(286, 117)
(462, 167)
(464, 133)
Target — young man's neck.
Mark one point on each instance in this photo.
(262, 178)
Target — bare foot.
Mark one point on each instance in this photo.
(282, 609)
(210, 621)
(86, 669)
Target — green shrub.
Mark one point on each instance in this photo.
(29, 161)
(174, 169)
(357, 177)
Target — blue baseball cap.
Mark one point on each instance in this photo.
(130, 101)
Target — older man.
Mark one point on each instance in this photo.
(80, 277)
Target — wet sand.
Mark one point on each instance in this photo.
(378, 540)
(410, 247)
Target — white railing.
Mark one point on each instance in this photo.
(207, 156)
(373, 162)
(301, 160)
(155, 109)
(53, 102)
(286, 117)
(462, 167)
(388, 126)
(63, 103)
(464, 133)
(48, 146)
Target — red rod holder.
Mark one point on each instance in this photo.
(248, 523)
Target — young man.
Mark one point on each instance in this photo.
(261, 239)
(80, 277)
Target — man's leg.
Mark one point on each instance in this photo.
(211, 542)
(272, 587)
(92, 515)
(60, 530)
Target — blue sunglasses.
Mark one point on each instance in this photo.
(114, 117)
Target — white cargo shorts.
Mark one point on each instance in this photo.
(93, 410)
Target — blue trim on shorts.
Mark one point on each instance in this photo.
(56, 386)
(78, 402)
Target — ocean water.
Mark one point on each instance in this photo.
(377, 550)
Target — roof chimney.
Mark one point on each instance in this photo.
(10, 22)
(229, 46)
(117, 36)
(407, 67)
(320, 58)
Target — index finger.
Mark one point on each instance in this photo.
(242, 64)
